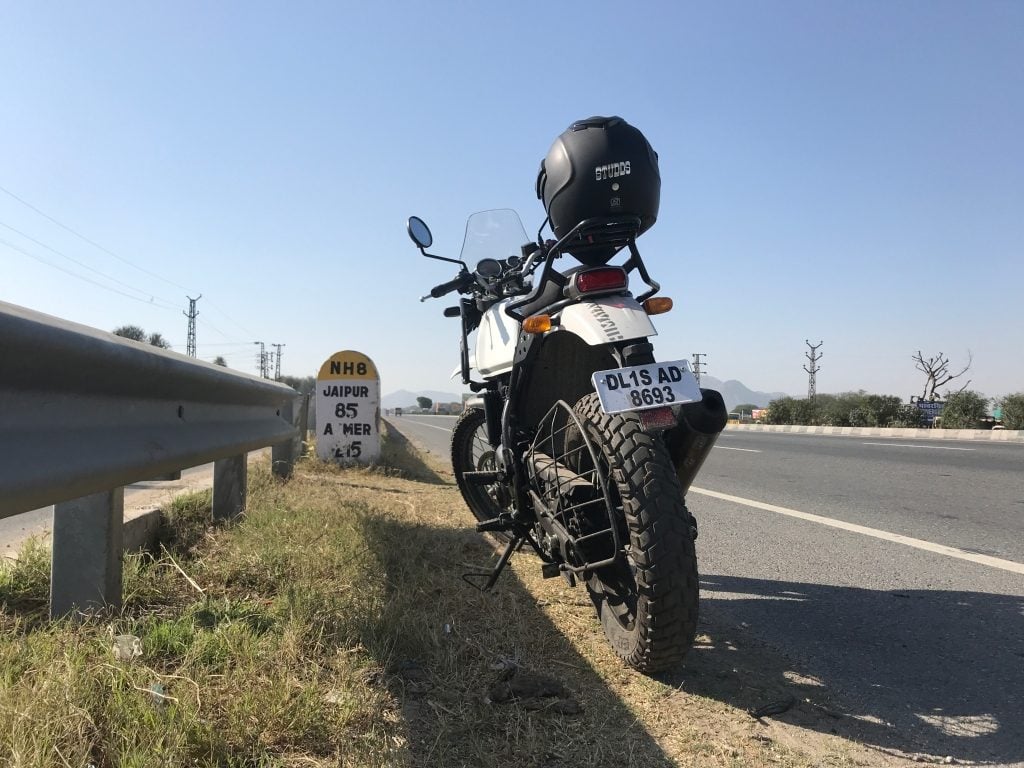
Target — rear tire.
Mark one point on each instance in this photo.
(472, 452)
(647, 601)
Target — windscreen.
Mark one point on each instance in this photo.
(495, 234)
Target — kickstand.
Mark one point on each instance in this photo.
(494, 573)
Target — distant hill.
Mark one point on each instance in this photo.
(403, 398)
(735, 393)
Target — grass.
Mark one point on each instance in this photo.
(330, 627)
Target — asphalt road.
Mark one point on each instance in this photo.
(881, 578)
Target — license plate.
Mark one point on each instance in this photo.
(646, 386)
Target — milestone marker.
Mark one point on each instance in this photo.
(348, 409)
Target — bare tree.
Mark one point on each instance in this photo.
(937, 370)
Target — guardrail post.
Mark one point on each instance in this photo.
(304, 424)
(87, 542)
(229, 484)
(282, 455)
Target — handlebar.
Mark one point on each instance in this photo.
(459, 283)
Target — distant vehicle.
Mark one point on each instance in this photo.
(398, 411)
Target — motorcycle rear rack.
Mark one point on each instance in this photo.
(571, 492)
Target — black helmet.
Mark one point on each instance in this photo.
(601, 166)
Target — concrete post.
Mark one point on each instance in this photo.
(282, 455)
(87, 545)
(229, 486)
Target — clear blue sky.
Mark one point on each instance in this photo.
(846, 172)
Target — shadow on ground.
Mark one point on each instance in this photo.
(907, 671)
(450, 648)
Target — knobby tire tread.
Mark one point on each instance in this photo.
(663, 550)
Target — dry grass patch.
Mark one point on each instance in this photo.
(330, 627)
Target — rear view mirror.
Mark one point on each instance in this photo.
(420, 232)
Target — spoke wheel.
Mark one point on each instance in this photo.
(471, 452)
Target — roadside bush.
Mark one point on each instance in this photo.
(883, 410)
(859, 409)
(1013, 410)
(833, 410)
(964, 410)
(906, 416)
(780, 411)
(789, 410)
(806, 412)
(848, 409)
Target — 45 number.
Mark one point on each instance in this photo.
(351, 451)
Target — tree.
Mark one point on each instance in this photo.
(132, 332)
(745, 408)
(135, 333)
(1013, 410)
(157, 340)
(937, 371)
(219, 360)
(963, 410)
(303, 385)
(424, 403)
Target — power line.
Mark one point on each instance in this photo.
(231, 320)
(83, 264)
(152, 300)
(223, 344)
(169, 305)
(93, 243)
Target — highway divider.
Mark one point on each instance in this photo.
(84, 413)
(993, 435)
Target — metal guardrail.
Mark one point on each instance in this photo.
(84, 413)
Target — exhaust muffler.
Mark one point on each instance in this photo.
(698, 426)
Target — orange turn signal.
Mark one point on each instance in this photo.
(537, 324)
(659, 305)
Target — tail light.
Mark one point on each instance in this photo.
(598, 280)
(659, 305)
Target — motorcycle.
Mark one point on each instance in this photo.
(579, 444)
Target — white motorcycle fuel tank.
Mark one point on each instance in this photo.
(602, 320)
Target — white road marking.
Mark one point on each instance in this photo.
(908, 445)
(928, 546)
(432, 426)
(728, 448)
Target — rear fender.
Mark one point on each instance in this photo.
(607, 320)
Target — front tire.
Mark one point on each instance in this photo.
(647, 600)
(471, 452)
